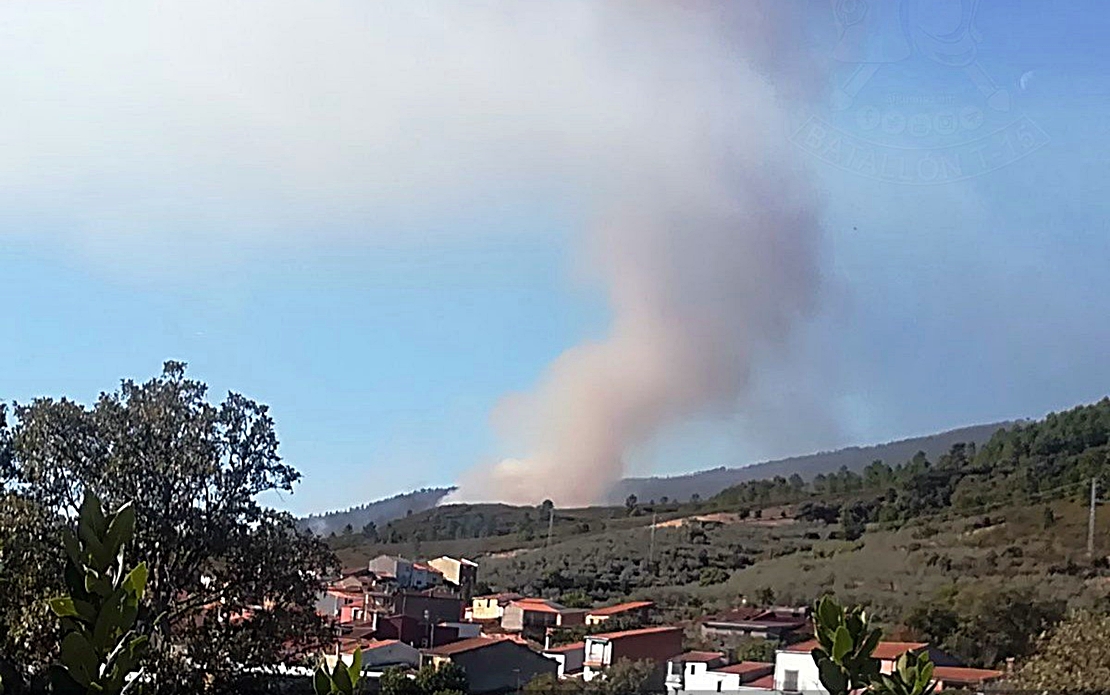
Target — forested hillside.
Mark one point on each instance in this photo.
(377, 512)
(700, 485)
(977, 549)
(708, 483)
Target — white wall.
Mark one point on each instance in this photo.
(809, 680)
(697, 677)
(390, 654)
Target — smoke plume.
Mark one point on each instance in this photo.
(184, 138)
(705, 235)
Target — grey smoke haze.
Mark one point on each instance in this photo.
(185, 135)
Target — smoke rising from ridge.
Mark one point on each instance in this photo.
(707, 244)
(188, 137)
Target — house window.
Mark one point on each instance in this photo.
(676, 668)
(790, 681)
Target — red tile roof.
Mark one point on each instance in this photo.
(745, 668)
(622, 608)
(883, 651)
(376, 643)
(566, 648)
(467, 645)
(633, 633)
(764, 683)
(893, 650)
(959, 675)
(541, 605)
(699, 657)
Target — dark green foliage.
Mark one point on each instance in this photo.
(576, 599)
(984, 628)
(1075, 657)
(193, 472)
(447, 679)
(99, 647)
(712, 575)
(625, 677)
(1032, 462)
(1048, 517)
(567, 635)
(756, 649)
(341, 680)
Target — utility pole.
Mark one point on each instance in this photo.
(1091, 520)
(651, 547)
(550, 525)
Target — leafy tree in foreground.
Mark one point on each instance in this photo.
(100, 649)
(985, 627)
(625, 677)
(1074, 657)
(234, 581)
(446, 679)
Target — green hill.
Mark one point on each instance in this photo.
(941, 547)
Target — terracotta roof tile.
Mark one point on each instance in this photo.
(884, 650)
(747, 668)
(959, 675)
(467, 645)
(631, 633)
(566, 648)
(622, 608)
(764, 683)
(699, 657)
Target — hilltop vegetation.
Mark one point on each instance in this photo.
(377, 512)
(685, 488)
(705, 484)
(978, 549)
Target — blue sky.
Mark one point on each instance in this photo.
(383, 302)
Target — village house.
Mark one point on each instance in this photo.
(540, 613)
(570, 657)
(490, 606)
(636, 610)
(707, 671)
(406, 574)
(458, 572)
(795, 670)
(657, 644)
(782, 624)
(377, 655)
(493, 664)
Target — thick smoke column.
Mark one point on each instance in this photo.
(705, 237)
(260, 125)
